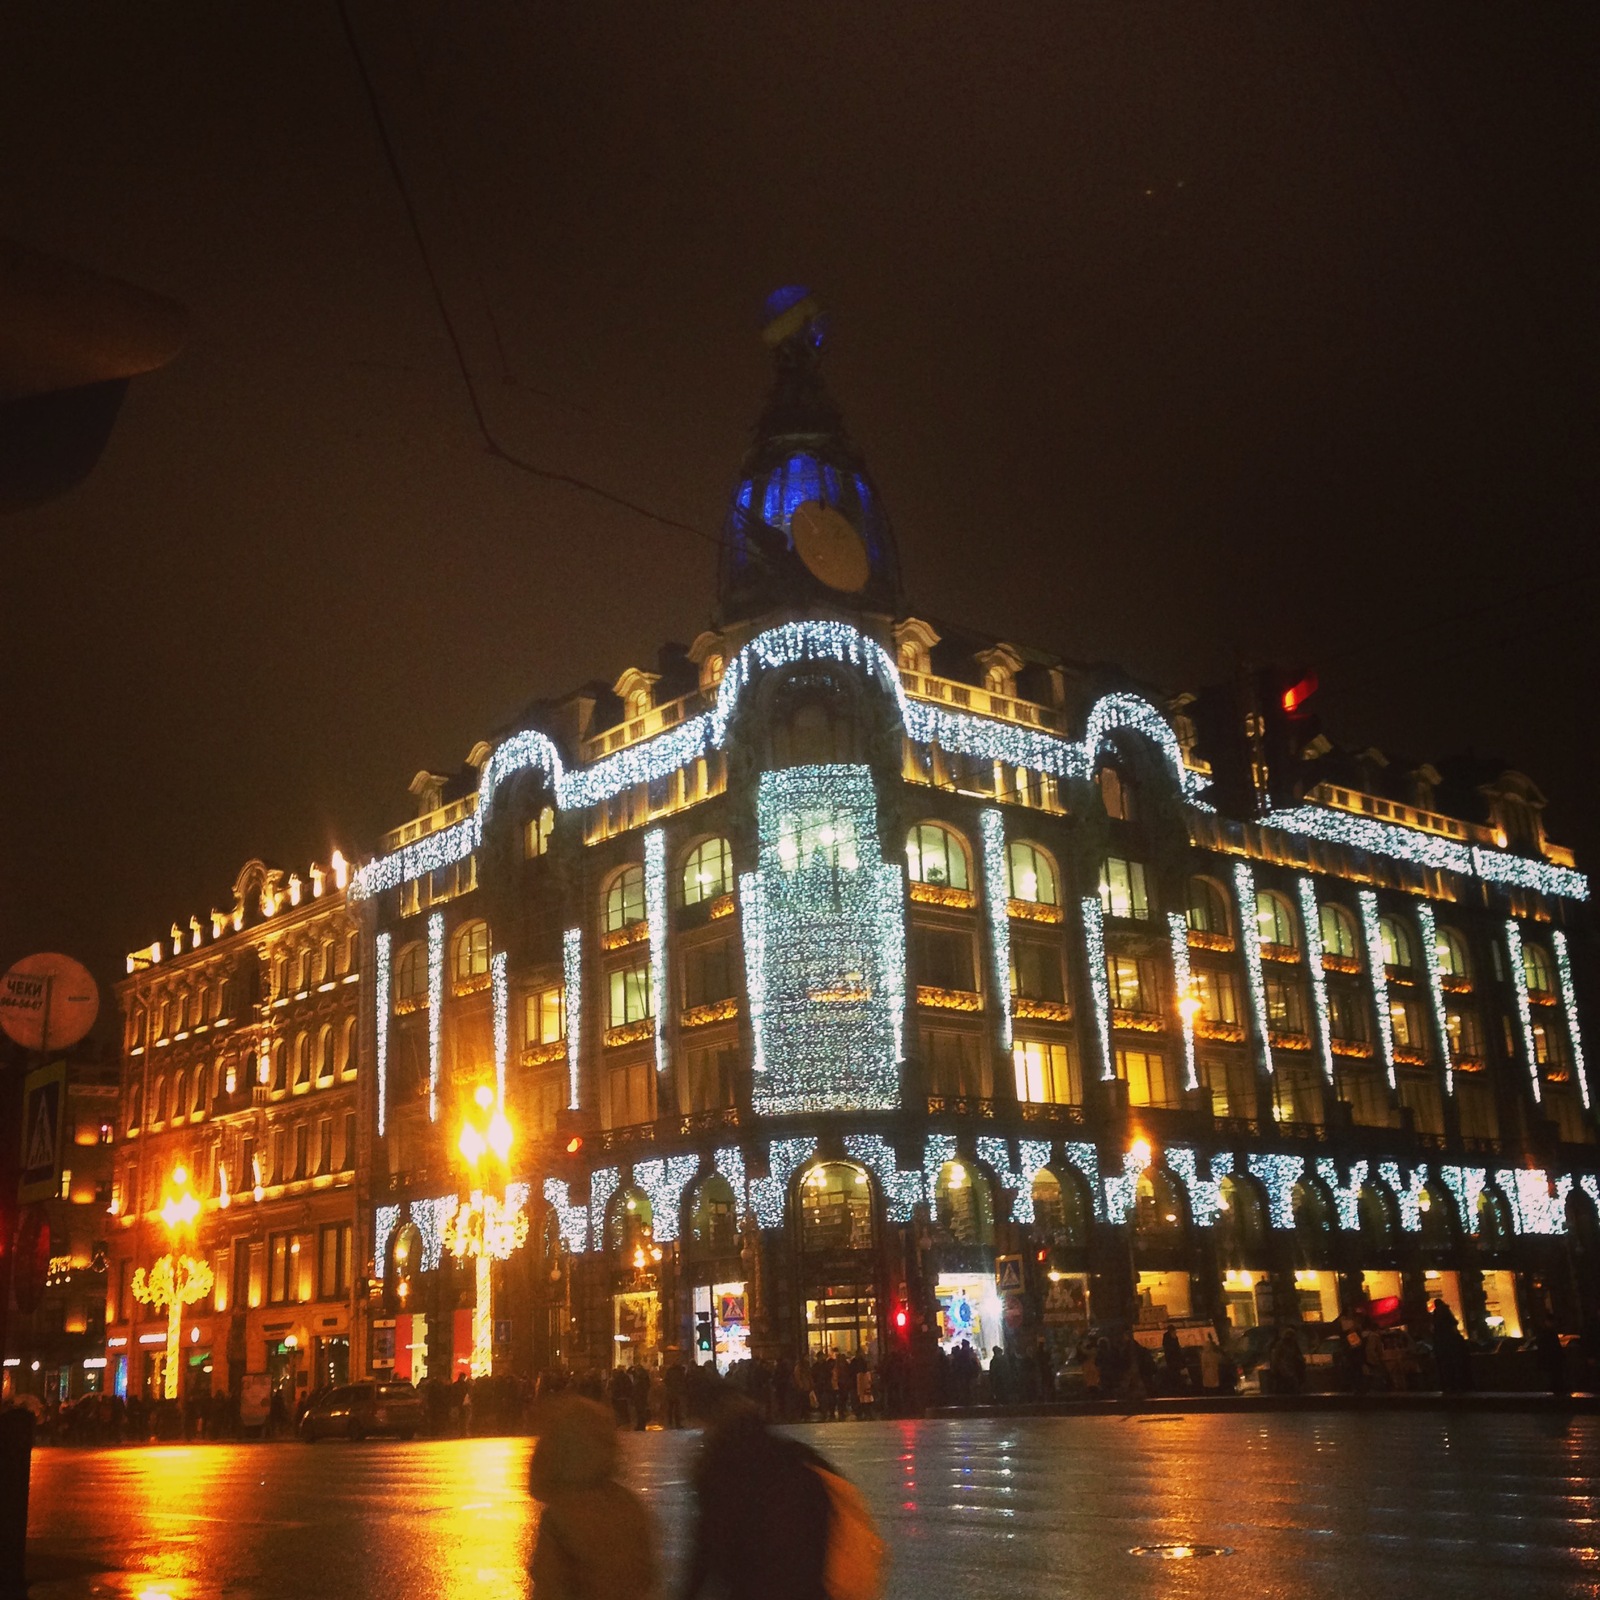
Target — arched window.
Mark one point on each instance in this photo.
(411, 975)
(180, 1089)
(1536, 966)
(707, 871)
(1373, 1219)
(935, 854)
(1453, 959)
(1116, 793)
(135, 1107)
(1241, 1222)
(1395, 940)
(835, 1208)
(1159, 1215)
(1030, 874)
(302, 1060)
(625, 899)
(201, 1085)
(1313, 1220)
(1494, 1222)
(472, 952)
(158, 1110)
(964, 1206)
(630, 1225)
(1276, 920)
(347, 1048)
(403, 1266)
(1338, 929)
(714, 1219)
(1208, 907)
(1060, 1210)
(325, 1054)
(1436, 1217)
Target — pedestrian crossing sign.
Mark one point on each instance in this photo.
(44, 1104)
(1008, 1274)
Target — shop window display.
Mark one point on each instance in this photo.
(835, 1208)
(965, 1208)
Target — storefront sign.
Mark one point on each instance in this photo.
(1066, 1300)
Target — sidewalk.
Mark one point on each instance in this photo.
(1182, 1405)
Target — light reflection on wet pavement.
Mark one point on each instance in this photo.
(1311, 1505)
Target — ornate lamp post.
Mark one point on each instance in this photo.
(176, 1280)
(486, 1226)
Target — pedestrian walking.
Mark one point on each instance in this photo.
(620, 1391)
(674, 1381)
(639, 1380)
(595, 1541)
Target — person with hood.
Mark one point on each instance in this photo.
(595, 1541)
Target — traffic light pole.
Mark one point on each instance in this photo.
(16, 1423)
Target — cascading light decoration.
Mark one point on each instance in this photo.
(573, 1221)
(996, 893)
(1538, 1211)
(664, 1181)
(937, 1152)
(1084, 1158)
(1569, 1004)
(572, 977)
(1346, 1196)
(1311, 919)
(435, 1007)
(824, 946)
(768, 1194)
(1182, 986)
(1497, 866)
(1244, 890)
(1120, 1190)
(430, 1217)
(1409, 1195)
(655, 912)
(603, 1184)
(1094, 945)
(385, 1219)
(1205, 1194)
(1278, 1174)
(380, 993)
(1519, 984)
(1441, 1020)
(501, 996)
(1373, 937)
(729, 1160)
(901, 1190)
(1467, 1185)
(1033, 1156)
(1590, 1184)
(1112, 712)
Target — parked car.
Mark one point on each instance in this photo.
(354, 1410)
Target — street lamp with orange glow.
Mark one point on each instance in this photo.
(176, 1280)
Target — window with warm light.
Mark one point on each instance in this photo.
(537, 834)
(545, 1015)
(1217, 993)
(1208, 908)
(937, 855)
(624, 904)
(411, 975)
(1145, 1072)
(1454, 961)
(472, 952)
(1046, 1072)
(1338, 930)
(1030, 874)
(1122, 890)
(707, 872)
(1134, 984)
(630, 996)
(1537, 968)
(1396, 943)
(1275, 920)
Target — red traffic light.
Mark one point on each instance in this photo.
(1296, 695)
(574, 1144)
(900, 1317)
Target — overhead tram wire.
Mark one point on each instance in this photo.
(436, 288)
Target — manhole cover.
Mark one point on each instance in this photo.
(1180, 1552)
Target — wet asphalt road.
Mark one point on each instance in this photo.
(1347, 1507)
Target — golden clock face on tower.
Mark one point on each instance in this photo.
(828, 544)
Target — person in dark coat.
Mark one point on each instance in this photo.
(639, 1378)
(620, 1390)
(761, 1522)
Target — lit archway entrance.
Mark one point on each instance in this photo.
(838, 1260)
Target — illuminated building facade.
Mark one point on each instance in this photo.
(240, 1072)
(839, 965)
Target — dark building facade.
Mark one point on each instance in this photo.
(838, 966)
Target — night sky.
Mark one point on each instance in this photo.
(1173, 334)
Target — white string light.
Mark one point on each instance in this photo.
(1467, 1185)
(1278, 1174)
(602, 1185)
(1441, 1021)
(1537, 1210)
(500, 996)
(435, 1007)
(1244, 889)
(1205, 1194)
(729, 1161)
(1034, 1156)
(769, 1195)
(901, 1190)
(1409, 1195)
(1120, 1190)
(572, 977)
(1373, 935)
(1312, 919)
(992, 827)
(385, 1219)
(655, 910)
(1183, 987)
(1496, 866)
(430, 1216)
(1519, 987)
(1085, 1159)
(1346, 1197)
(664, 1180)
(380, 985)
(573, 1221)
(1094, 945)
(1569, 1004)
(937, 1153)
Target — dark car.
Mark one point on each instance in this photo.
(354, 1410)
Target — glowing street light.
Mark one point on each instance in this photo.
(176, 1280)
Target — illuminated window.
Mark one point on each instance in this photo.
(411, 975)
(817, 839)
(1217, 993)
(935, 854)
(1030, 874)
(630, 1223)
(1122, 890)
(1453, 959)
(325, 1047)
(1395, 939)
(630, 996)
(1286, 1004)
(1338, 929)
(159, 1099)
(180, 1103)
(1145, 1073)
(1465, 1033)
(1276, 921)
(1116, 793)
(714, 1219)
(1549, 1044)
(347, 1049)
(1208, 907)
(472, 952)
(1046, 1073)
(625, 899)
(1537, 968)
(1405, 1018)
(1133, 982)
(1061, 1209)
(302, 1060)
(707, 872)
(536, 836)
(964, 1204)
(835, 1208)
(1159, 1213)
(1241, 1226)
(545, 1015)
(333, 1260)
